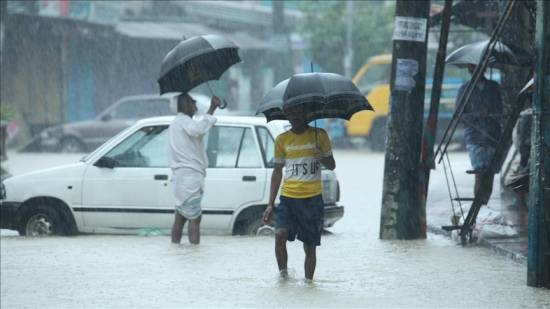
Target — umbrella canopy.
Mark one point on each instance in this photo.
(196, 60)
(324, 95)
(501, 55)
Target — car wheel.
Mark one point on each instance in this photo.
(71, 145)
(377, 135)
(258, 228)
(41, 221)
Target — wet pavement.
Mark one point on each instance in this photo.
(439, 209)
(354, 269)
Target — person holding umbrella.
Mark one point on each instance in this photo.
(301, 151)
(188, 163)
(481, 119)
(192, 62)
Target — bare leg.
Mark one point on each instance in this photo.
(194, 231)
(177, 228)
(280, 249)
(310, 261)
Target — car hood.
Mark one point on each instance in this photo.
(54, 182)
(50, 174)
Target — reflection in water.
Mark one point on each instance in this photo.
(353, 270)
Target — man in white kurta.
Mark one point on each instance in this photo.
(188, 163)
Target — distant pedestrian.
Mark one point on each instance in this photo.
(481, 119)
(188, 163)
(301, 150)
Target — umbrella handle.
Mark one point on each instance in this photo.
(223, 105)
(316, 144)
(224, 102)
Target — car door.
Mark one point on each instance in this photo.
(127, 196)
(235, 175)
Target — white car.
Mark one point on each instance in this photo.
(124, 185)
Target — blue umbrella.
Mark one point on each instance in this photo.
(324, 95)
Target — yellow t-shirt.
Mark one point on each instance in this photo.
(302, 177)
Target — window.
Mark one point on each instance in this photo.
(447, 98)
(376, 74)
(231, 147)
(145, 148)
(248, 156)
(137, 109)
(267, 144)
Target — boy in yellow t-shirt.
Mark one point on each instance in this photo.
(301, 151)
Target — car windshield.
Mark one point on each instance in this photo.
(145, 148)
(104, 145)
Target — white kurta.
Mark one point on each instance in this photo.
(187, 155)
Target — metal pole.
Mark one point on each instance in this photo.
(401, 216)
(538, 256)
(428, 139)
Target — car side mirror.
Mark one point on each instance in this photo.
(106, 117)
(106, 162)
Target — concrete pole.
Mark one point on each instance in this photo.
(348, 51)
(402, 216)
(538, 256)
(282, 54)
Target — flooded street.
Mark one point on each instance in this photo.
(354, 268)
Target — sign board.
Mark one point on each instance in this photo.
(410, 29)
(406, 69)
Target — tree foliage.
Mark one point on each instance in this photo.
(323, 28)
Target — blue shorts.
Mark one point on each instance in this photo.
(480, 156)
(301, 217)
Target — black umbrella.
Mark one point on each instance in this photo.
(324, 95)
(502, 54)
(196, 60)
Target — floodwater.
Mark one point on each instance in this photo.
(354, 267)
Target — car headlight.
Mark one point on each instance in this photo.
(329, 192)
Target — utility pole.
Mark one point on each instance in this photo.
(282, 54)
(3, 23)
(538, 256)
(348, 52)
(402, 216)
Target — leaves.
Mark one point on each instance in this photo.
(6, 112)
(324, 31)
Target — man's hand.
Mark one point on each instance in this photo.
(214, 104)
(266, 218)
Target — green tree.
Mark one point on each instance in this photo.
(6, 112)
(323, 29)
